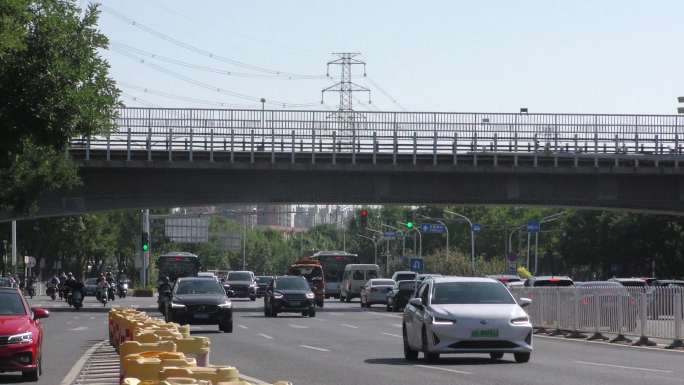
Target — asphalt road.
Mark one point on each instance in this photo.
(344, 345)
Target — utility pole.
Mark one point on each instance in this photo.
(14, 246)
(345, 87)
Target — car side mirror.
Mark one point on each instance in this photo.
(524, 302)
(417, 302)
(39, 313)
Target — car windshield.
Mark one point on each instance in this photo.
(291, 284)
(239, 276)
(263, 280)
(199, 286)
(405, 276)
(383, 282)
(633, 283)
(553, 282)
(462, 293)
(407, 285)
(11, 304)
(90, 281)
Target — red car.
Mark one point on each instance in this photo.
(21, 335)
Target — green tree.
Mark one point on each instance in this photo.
(55, 86)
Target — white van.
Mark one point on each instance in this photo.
(354, 277)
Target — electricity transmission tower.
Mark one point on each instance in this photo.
(346, 88)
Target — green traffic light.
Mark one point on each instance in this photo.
(409, 225)
(146, 247)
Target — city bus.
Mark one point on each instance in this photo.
(333, 263)
(178, 264)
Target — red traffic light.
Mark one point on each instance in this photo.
(364, 213)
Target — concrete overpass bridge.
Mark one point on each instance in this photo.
(174, 157)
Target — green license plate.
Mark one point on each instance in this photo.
(485, 333)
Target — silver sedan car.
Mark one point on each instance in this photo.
(466, 315)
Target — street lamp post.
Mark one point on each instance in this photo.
(386, 250)
(375, 247)
(441, 222)
(472, 238)
(403, 237)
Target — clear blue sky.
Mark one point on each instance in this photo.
(603, 56)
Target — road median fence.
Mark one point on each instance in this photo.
(635, 315)
(155, 352)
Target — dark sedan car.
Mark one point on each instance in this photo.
(398, 297)
(289, 294)
(262, 284)
(200, 301)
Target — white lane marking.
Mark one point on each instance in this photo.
(242, 326)
(623, 367)
(391, 335)
(253, 314)
(69, 322)
(298, 326)
(76, 369)
(384, 314)
(314, 348)
(397, 325)
(78, 329)
(349, 326)
(91, 317)
(443, 369)
(266, 336)
(334, 313)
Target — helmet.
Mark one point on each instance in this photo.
(166, 279)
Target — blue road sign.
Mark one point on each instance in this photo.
(389, 235)
(477, 227)
(432, 228)
(416, 264)
(533, 226)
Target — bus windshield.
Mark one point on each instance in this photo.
(176, 266)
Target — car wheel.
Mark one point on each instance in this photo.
(521, 357)
(347, 299)
(226, 325)
(252, 298)
(429, 356)
(312, 312)
(496, 356)
(341, 298)
(305, 313)
(409, 353)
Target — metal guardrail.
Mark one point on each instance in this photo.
(286, 131)
(654, 312)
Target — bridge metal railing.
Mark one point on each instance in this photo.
(390, 132)
(645, 313)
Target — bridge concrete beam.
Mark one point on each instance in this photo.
(139, 184)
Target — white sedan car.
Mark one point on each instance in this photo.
(466, 315)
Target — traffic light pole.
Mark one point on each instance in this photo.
(146, 253)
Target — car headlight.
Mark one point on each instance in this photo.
(226, 305)
(177, 305)
(277, 295)
(310, 295)
(442, 321)
(520, 320)
(23, 338)
(125, 286)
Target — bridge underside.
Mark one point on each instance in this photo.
(118, 184)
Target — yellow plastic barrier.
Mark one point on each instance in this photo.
(168, 381)
(133, 347)
(215, 374)
(147, 365)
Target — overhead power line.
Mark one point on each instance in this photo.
(204, 52)
(211, 87)
(375, 85)
(172, 96)
(122, 47)
(136, 99)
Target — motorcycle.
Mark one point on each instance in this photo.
(31, 289)
(101, 295)
(76, 299)
(51, 291)
(122, 289)
(111, 295)
(164, 298)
